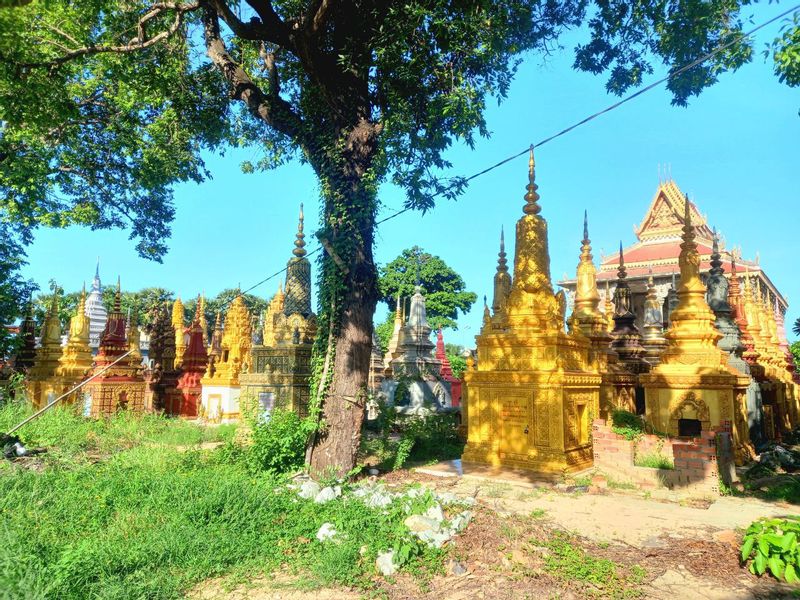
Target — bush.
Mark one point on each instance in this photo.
(429, 437)
(771, 545)
(626, 424)
(279, 444)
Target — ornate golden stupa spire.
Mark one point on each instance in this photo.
(502, 280)
(737, 302)
(49, 351)
(753, 321)
(76, 359)
(236, 344)
(298, 276)
(392, 350)
(769, 328)
(201, 305)
(692, 337)
(531, 302)
(586, 312)
(178, 315)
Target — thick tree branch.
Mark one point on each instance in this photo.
(273, 110)
(274, 30)
(136, 44)
(317, 17)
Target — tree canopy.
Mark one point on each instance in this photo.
(444, 291)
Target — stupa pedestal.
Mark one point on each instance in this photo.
(531, 400)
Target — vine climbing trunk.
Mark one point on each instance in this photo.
(348, 295)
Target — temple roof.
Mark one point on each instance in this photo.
(658, 244)
(664, 218)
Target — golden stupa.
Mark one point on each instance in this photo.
(43, 385)
(618, 388)
(76, 359)
(692, 389)
(531, 398)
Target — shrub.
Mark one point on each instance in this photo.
(279, 444)
(627, 424)
(429, 437)
(771, 545)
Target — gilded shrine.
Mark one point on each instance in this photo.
(530, 400)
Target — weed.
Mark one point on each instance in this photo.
(616, 484)
(538, 513)
(653, 461)
(570, 563)
(627, 424)
(583, 481)
(497, 490)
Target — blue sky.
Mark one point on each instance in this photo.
(735, 150)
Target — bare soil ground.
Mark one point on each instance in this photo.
(660, 549)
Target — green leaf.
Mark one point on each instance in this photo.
(763, 546)
(776, 566)
(786, 541)
(791, 574)
(761, 563)
(747, 547)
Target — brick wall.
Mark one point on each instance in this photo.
(696, 470)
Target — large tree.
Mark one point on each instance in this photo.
(444, 289)
(104, 105)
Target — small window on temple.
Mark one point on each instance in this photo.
(689, 427)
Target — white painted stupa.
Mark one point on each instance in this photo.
(96, 311)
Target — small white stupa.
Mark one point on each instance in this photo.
(96, 311)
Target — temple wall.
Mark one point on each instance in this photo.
(665, 406)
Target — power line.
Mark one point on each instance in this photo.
(464, 180)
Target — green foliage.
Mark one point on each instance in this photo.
(568, 562)
(424, 439)
(279, 444)
(384, 332)
(444, 289)
(653, 460)
(627, 424)
(795, 347)
(786, 55)
(771, 545)
(458, 363)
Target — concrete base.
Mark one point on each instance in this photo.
(220, 404)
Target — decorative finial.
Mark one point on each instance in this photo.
(118, 296)
(501, 256)
(299, 242)
(97, 269)
(585, 226)
(621, 272)
(716, 258)
(197, 310)
(532, 197)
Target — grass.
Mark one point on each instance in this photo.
(151, 521)
(600, 576)
(654, 460)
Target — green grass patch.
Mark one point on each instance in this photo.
(150, 521)
(653, 460)
(598, 576)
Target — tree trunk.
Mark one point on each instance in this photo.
(348, 296)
